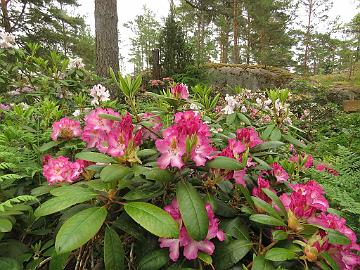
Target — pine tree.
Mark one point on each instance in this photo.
(174, 51)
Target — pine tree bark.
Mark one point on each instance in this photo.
(5, 16)
(106, 36)
(236, 33)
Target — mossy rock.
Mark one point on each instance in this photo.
(252, 77)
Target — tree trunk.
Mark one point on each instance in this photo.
(156, 64)
(106, 36)
(308, 36)
(236, 33)
(5, 16)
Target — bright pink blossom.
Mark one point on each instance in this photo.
(59, 170)
(305, 199)
(187, 138)
(324, 167)
(248, 136)
(280, 174)
(66, 129)
(180, 91)
(257, 191)
(191, 247)
(297, 159)
(110, 136)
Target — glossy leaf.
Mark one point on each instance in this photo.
(152, 218)
(114, 172)
(266, 220)
(280, 254)
(260, 263)
(229, 253)
(114, 255)
(79, 229)
(193, 212)
(154, 260)
(95, 157)
(261, 204)
(5, 225)
(225, 163)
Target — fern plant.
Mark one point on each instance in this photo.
(344, 190)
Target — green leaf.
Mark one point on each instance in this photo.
(293, 141)
(49, 145)
(206, 258)
(5, 225)
(326, 256)
(266, 133)
(125, 223)
(110, 117)
(147, 192)
(114, 172)
(261, 204)
(236, 228)
(259, 263)
(280, 254)
(114, 255)
(267, 145)
(244, 119)
(79, 229)
(229, 253)
(225, 163)
(193, 212)
(336, 237)
(58, 261)
(95, 157)
(153, 219)
(9, 264)
(59, 203)
(154, 260)
(71, 191)
(246, 194)
(275, 135)
(267, 220)
(230, 119)
(276, 200)
(146, 153)
(279, 235)
(157, 174)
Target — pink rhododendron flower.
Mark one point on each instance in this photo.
(153, 123)
(190, 246)
(59, 170)
(324, 167)
(305, 199)
(239, 177)
(180, 91)
(280, 174)
(297, 158)
(66, 129)
(110, 136)
(248, 136)
(187, 138)
(257, 191)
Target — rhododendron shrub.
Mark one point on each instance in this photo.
(179, 189)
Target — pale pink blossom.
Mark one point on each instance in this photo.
(65, 129)
(180, 90)
(191, 247)
(280, 174)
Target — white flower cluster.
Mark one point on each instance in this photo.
(7, 40)
(233, 103)
(99, 93)
(76, 63)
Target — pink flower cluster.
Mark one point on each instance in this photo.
(279, 173)
(191, 247)
(245, 138)
(181, 91)
(188, 138)
(305, 199)
(61, 169)
(307, 203)
(110, 136)
(343, 254)
(153, 124)
(65, 129)
(324, 167)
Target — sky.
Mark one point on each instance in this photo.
(128, 9)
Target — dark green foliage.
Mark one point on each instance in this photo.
(174, 50)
